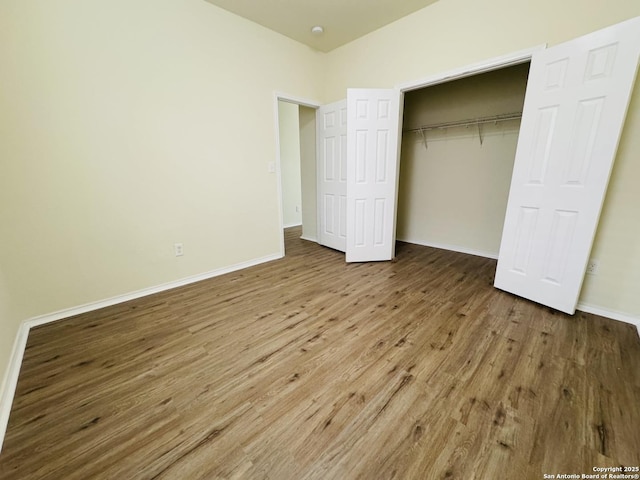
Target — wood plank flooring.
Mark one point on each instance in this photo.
(310, 368)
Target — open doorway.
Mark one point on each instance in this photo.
(458, 150)
(288, 124)
(296, 167)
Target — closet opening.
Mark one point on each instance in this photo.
(457, 155)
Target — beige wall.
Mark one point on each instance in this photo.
(493, 93)
(8, 329)
(617, 245)
(127, 126)
(453, 33)
(289, 128)
(453, 193)
(308, 172)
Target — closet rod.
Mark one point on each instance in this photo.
(467, 123)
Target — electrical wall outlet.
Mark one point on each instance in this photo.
(178, 249)
(592, 267)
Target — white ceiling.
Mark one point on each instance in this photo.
(342, 20)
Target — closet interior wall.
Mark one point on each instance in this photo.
(454, 182)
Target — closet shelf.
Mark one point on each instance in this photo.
(467, 123)
(477, 122)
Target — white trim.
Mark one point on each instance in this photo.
(309, 239)
(89, 307)
(583, 307)
(276, 109)
(293, 225)
(613, 314)
(10, 379)
(453, 248)
(317, 175)
(300, 101)
(305, 102)
(488, 65)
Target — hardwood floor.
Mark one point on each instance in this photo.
(311, 368)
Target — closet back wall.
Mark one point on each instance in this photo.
(453, 192)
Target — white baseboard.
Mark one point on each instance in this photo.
(309, 239)
(614, 315)
(89, 307)
(293, 225)
(454, 248)
(584, 307)
(10, 379)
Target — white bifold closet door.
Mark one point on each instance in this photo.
(575, 105)
(331, 130)
(373, 130)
